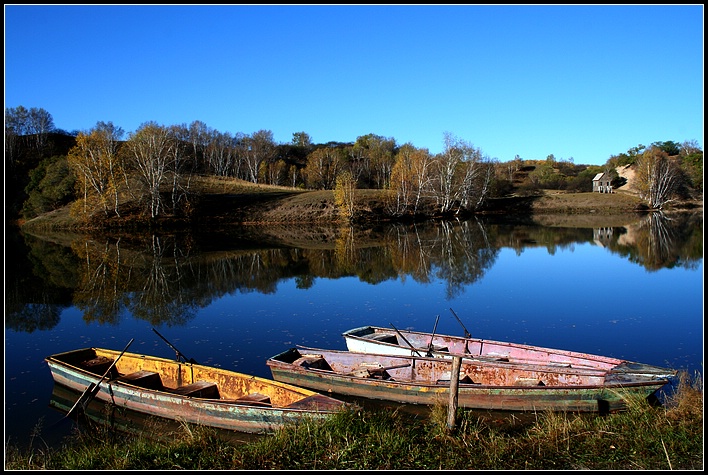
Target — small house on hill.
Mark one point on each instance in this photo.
(602, 183)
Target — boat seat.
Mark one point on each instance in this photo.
(385, 338)
(313, 362)
(201, 389)
(256, 399)
(97, 365)
(144, 379)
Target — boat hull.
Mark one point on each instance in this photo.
(290, 404)
(379, 340)
(416, 380)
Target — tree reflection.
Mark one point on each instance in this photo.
(165, 279)
(664, 241)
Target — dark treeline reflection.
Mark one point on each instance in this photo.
(165, 279)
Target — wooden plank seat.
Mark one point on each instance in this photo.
(144, 379)
(201, 389)
(313, 362)
(255, 399)
(98, 365)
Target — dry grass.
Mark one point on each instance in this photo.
(643, 437)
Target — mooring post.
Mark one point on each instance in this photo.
(454, 385)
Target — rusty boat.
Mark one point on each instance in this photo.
(188, 392)
(489, 384)
(381, 340)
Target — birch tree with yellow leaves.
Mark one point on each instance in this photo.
(98, 168)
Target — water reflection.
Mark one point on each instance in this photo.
(165, 279)
(117, 421)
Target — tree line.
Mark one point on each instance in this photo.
(104, 171)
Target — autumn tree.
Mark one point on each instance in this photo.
(16, 126)
(220, 154)
(359, 162)
(462, 175)
(344, 194)
(478, 175)
(199, 137)
(181, 169)
(97, 167)
(410, 179)
(41, 124)
(376, 154)
(28, 126)
(295, 156)
(513, 166)
(256, 150)
(152, 154)
(692, 163)
(658, 178)
(323, 166)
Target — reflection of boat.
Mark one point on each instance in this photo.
(124, 420)
(498, 385)
(380, 340)
(189, 392)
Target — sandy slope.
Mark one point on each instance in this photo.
(627, 172)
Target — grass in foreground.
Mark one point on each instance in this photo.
(642, 438)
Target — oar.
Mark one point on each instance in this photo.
(92, 389)
(404, 339)
(467, 334)
(431, 347)
(179, 353)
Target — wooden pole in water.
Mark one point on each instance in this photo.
(454, 386)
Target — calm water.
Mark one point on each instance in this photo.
(632, 291)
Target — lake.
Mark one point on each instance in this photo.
(629, 288)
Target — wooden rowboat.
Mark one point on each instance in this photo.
(371, 339)
(495, 385)
(188, 392)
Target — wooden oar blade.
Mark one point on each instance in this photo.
(81, 401)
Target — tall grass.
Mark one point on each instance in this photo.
(644, 437)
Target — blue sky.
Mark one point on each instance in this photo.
(580, 82)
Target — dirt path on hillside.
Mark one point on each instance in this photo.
(628, 173)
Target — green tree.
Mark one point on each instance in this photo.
(51, 186)
(670, 147)
(302, 139)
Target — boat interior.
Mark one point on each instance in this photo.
(180, 378)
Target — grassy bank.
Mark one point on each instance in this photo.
(644, 437)
(218, 202)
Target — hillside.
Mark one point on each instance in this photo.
(219, 202)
